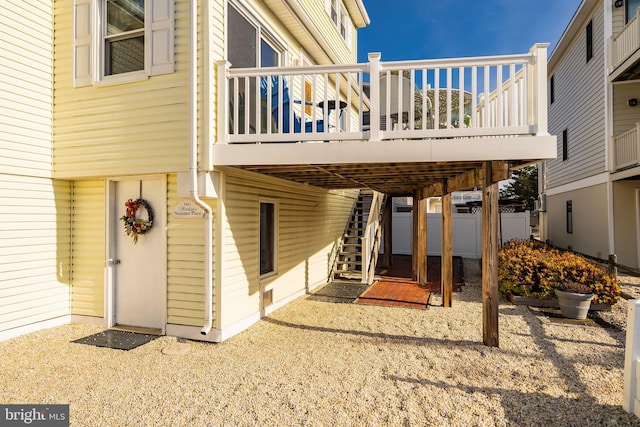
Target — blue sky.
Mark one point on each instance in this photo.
(428, 29)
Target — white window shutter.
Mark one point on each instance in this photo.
(82, 52)
(162, 37)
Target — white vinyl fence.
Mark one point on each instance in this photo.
(630, 402)
(466, 230)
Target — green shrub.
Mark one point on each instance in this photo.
(532, 269)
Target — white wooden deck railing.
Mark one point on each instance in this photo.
(483, 96)
(625, 43)
(626, 148)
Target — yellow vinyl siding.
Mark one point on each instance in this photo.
(135, 128)
(309, 222)
(26, 64)
(35, 212)
(34, 250)
(317, 12)
(87, 295)
(185, 261)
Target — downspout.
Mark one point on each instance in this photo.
(193, 166)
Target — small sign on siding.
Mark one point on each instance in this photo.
(187, 210)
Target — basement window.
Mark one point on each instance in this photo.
(267, 238)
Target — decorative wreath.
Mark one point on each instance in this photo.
(134, 226)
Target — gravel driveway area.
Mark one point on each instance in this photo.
(324, 364)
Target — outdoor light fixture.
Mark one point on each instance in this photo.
(633, 102)
(618, 3)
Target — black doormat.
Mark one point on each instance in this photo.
(120, 340)
(339, 292)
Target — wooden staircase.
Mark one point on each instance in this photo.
(361, 238)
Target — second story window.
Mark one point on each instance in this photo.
(117, 41)
(124, 38)
(248, 44)
(338, 13)
(334, 11)
(589, 36)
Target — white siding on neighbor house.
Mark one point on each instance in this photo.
(589, 207)
(34, 250)
(87, 291)
(310, 221)
(185, 263)
(625, 117)
(625, 215)
(579, 107)
(26, 90)
(617, 19)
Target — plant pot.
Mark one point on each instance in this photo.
(573, 305)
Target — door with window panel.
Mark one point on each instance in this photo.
(248, 47)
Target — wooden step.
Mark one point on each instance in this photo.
(359, 263)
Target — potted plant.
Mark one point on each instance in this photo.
(574, 299)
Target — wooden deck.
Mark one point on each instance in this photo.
(395, 288)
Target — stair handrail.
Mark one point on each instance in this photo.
(334, 255)
(371, 238)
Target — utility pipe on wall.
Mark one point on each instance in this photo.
(193, 166)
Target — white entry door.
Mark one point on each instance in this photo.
(139, 268)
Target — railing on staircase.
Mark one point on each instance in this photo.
(358, 249)
(372, 237)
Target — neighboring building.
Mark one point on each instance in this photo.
(174, 103)
(590, 193)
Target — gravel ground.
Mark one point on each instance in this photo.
(317, 363)
(617, 317)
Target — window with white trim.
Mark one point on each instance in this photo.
(341, 19)
(249, 44)
(117, 41)
(124, 36)
(268, 220)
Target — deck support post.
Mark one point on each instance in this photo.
(446, 259)
(422, 240)
(387, 227)
(490, 296)
(414, 237)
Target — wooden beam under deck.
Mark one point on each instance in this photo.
(414, 237)
(501, 170)
(446, 256)
(490, 295)
(422, 241)
(387, 227)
